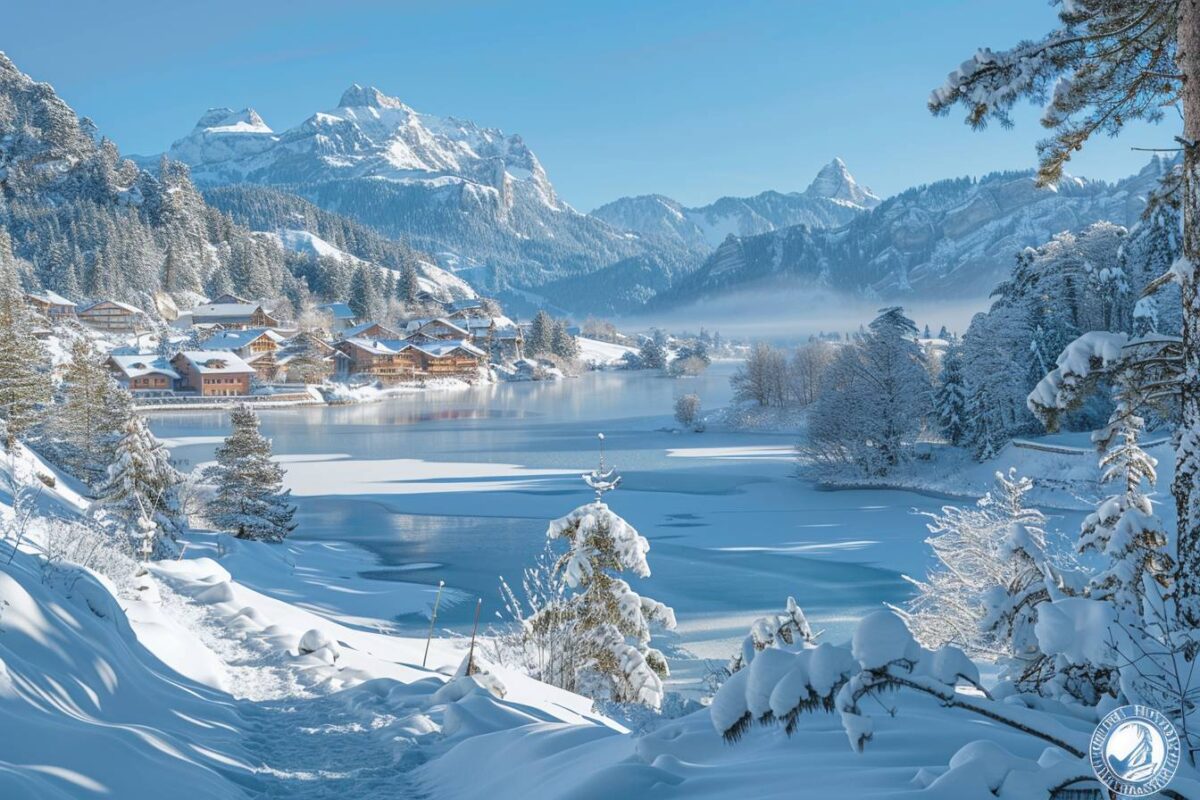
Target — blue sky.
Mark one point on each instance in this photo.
(692, 99)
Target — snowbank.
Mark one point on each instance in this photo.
(596, 354)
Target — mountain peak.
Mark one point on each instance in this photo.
(834, 182)
(358, 96)
(226, 120)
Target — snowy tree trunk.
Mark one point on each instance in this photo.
(1186, 486)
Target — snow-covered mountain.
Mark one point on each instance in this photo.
(831, 200)
(87, 223)
(478, 199)
(951, 239)
(834, 182)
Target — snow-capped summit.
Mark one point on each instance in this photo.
(226, 120)
(476, 197)
(831, 200)
(367, 96)
(834, 182)
(222, 135)
(374, 136)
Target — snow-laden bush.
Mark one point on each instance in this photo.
(990, 558)
(687, 409)
(540, 639)
(780, 684)
(788, 631)
(884, 659)
(994, 576)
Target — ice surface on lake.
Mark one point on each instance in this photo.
(460, 486)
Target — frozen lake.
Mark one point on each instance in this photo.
(460, 485)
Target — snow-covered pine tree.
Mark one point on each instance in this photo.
(141, 483)
(562, 343)
(25, 384)
(365, 299)
(652, 354)
(611, 622)
(1124, 527)
(93, 413)
(1109, 62)
(541, 334)
(1148, 253)
(951, 398)
(408, 287)
(250, 500)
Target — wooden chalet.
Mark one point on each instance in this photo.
(334, 361)
(144, 374)
(51, 305)
(213, 373)
(110, 315)
(502, 337)
(233, 316)
(449, 358)
(464, 309)
(386, 360)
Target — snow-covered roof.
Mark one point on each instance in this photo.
(117, 303)
(440, 349)
(461, 305)
(338, 310)
(437, 349)
(136, 365)
(382, 347)
(357, 330)
(217, 311)
(236, 340)
(51, 298)
(417, 324)
(213, 362)
(503, 324)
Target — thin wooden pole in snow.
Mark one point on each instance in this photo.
(471, 654)
(432, 620)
